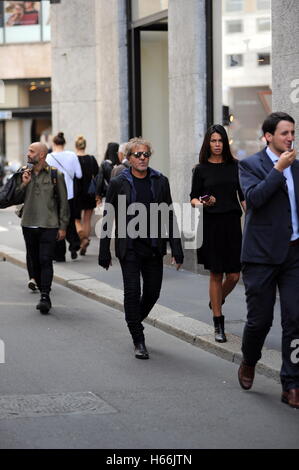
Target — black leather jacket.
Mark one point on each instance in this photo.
(122, 185)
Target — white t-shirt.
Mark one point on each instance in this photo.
(68, 163)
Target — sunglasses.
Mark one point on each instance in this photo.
(139, 154)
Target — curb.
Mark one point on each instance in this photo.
(193, 331)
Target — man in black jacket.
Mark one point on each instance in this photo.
(141, 235)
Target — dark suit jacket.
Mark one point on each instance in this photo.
(268, 224)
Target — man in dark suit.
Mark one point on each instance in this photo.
(270, 251)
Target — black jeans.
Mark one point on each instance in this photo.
(71, 236)
(40, 246)
(261, 282)
(137, 306)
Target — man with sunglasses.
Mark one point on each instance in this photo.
(141, 252)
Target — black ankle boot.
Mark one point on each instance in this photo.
(141, 351)
(219, 329)
(44, 304)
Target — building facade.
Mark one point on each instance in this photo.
(25, 77)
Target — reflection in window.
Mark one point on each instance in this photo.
(234, 26)
(263, 59)
(242, 71)
(234, 5)
(234, 60)
(263, 24)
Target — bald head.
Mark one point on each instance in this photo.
(37, 153)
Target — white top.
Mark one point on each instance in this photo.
(68, 163)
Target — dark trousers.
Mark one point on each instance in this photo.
(261, 282)
(40, 246)
(71, 236)
(138, 306)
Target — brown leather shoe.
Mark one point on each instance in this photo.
(291, 397)
(246, 375)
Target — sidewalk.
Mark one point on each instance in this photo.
(182, 309)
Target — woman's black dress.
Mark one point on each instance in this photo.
(90, 169)
(222, 235)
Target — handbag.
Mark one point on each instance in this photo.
(7, 194)
(92, 188)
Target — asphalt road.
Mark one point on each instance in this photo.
(182, 398)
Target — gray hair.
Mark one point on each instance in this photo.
(138, 141)
(122, 147)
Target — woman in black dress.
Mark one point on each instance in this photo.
(85, 203)
(215, 185)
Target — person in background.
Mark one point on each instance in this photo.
(44, 219)
(140, 256)
(67, 162)
(123, 161)
(104, 175)
(84, 202)
(270, 252)
(215, 186)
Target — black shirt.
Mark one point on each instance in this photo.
(220, 180)
(143, 246)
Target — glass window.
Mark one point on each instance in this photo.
(234, 5)
(263, 24)
(234, 60)
(263, 4)
(234, 26)
(143, 8)
(22, 21)
(263, 59)
(46, 25)
(242, 74)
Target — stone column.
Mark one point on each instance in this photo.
(112, 72)
(74, 71)
(187, 90)
(285, 57)
(89, 63)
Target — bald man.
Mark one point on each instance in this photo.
(45, 217)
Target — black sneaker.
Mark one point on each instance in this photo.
(44, 304)
(141, 351)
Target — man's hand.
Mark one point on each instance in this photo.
(285, 160)
(61, 235)
(26, 177)
(178, 265)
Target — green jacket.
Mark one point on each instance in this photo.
(41, 207)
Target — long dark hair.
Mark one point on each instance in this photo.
(111, 152)
(205, 151)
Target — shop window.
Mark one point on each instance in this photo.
(242, 73)
(263, 59)
(143, 8)
(25, 21)
(234, 26)
(263, 24)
